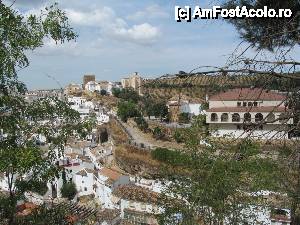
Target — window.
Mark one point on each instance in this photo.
(236, 117)
(250, 104)
(255, 104)
(85, 189)
(239, 104)
(258, 117)
(224, 117)
(82, 182)
(214, 117)
(244, 104)
(247, 117)
(238, 127)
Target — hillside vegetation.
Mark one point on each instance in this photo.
(197, 86)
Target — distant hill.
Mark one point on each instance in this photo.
(197, 86)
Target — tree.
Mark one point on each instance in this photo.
(127, 94)
(210, 186)
(19, 120)
(141, 123)
(158, 133)
(183, 118)
(68, 190)
(157, 109)
(279, 36)
(127, 109)
(178, 135)
(268, 33)
(116, 92)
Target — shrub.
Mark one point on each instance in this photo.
(158, 133)
(172, 157)
(68, 190)
(127, 109)
(178, 136)
(36, 186)
(184, 118)
(141, 123)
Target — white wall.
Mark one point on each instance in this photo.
(84, 184)
(191, 108)
(230, 130)
(218, 104)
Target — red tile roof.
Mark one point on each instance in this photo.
(133, 192)
(248, 109)
(111, 174)
(253, 94)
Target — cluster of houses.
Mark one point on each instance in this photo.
(135, 199)
(90, 85)
(87, 108)
(237, 113)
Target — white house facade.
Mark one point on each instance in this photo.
(249, 112)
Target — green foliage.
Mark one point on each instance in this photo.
(116, 92)
(68, 190)
(158, 133)
(19, 120)
(266, 33)
(205, 106)
(183, 118)
(37, 186)
(157, 109)
(172, 157)
(127, 109)
(214, 179)
(178, 135)
(127, 94)
(141, 123)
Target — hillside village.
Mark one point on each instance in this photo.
(113, 183)
(204, 130)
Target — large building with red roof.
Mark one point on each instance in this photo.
(249, 112)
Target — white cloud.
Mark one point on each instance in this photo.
(143, 33)
(50, 47)
(150, 12)
(113, 26)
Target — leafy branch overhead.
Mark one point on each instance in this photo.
(23, 123)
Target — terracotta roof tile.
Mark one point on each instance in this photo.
(136, 193)
(248, 94)
(111, 174)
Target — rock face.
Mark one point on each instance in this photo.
(137, 162)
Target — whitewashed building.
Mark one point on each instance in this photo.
(84, 181)
(193, 108)
(102, 118)
(137, 204)
(76, 100)
(106, 181)
(244, 112)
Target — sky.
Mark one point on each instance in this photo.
(117, 38)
